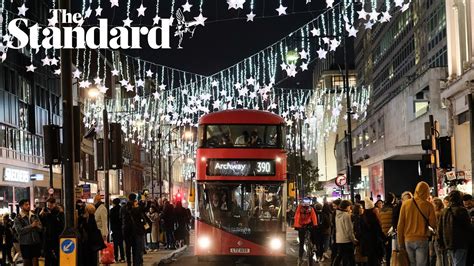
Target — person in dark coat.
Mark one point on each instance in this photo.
(7, 233)
(127, 226)
(53, 225)
(169, 219)
(91, 241)
(182, 221)
(116, 228)
(455, 230)
(371, 235)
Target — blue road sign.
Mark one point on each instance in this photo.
(68, 246)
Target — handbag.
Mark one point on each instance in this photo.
(399, 258)
(107, 254)
(431, 231)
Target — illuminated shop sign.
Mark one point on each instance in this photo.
(241, 168)
(16, 175)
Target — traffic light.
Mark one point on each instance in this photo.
(446, 159)
(52, 154)
(291, 190)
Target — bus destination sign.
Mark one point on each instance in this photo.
(240, 167)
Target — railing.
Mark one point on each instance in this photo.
(15, 155)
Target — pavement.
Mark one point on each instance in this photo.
(159, 257)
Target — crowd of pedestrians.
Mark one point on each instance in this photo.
(136, 227)
(429, 231)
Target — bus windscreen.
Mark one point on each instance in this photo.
(241, 208)
(241, 136)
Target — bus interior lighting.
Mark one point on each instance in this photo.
(204, 242)
(275, 243)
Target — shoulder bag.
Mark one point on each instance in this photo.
(430, 229)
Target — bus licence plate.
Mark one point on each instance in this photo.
(239, 250)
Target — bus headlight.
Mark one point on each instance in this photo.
(275, 243)
(204, 242)
(278, 159)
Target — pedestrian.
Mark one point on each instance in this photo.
(468, 202)
(345, 238)
(169, 219)
(322, 231)
(334, 206)
(127, 227)
(53, 225)
(371, 236)
(357, 212)
(28, 228)
(455, 229)
(155, 227)
(91, 241)
(8, 240)
(101, 216)
(116, 228)
(139, 223)
(305, 219)
(386, 214)
(417, 220)
(441, 258)
(16, 244)
(182, 222)
(189, 219)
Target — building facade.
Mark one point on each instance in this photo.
(404, 61)
(460, 85)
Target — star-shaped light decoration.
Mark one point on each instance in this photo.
(200, 19)
(84, 84)
(352, 31)
(30, 68)
(243, 91)
(76, 74)
(399, 3)
(54, 61)
(250, 16)
(140, 83)
(304, 66)
(385, 17)
(362, 14)
(162, 87)
(374, 15)
(283, 66)
(329, 3)
(303, 54)
(98, 11)
(315, 32)
(252, 95)
(215, 83)
(156, 95)
(216, 104)
(124, 82)
(149, 73)
(52, 21)
(322, 53)
(222, 93)
(281, 10)
(405, 7)
(251, 81)
(57, 72)
(238, 85)
(186, 7)
(156, 20)
(97, 80)
(141, 10)
(334, 44)
(22, 10)
(88, 12)
(103, 89)
(326, 40)
(45, 61)
(369, 24)
(114, 3)
(136, 98)
(115, 72)
(129, 87)
(127, 22)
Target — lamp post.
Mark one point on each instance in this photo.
(94, 93)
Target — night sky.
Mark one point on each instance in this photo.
(226, 39)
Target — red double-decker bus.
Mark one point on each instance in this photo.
(241, 184)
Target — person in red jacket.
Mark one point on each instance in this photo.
(304, 216)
